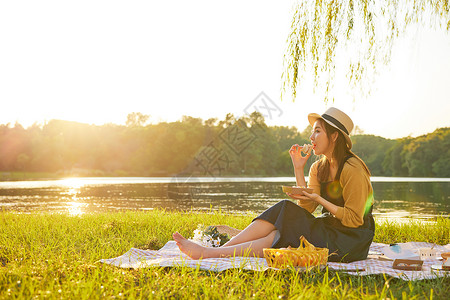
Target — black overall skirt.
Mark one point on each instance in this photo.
(292, 221)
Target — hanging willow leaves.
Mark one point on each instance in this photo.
(362, 30)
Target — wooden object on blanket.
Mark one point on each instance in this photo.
(446, 257)
(408, 264)
(446, 263)
(232, 232)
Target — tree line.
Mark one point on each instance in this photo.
(243, 146)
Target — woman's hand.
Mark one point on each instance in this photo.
(298, 160)
(315, 197)
(305, 196)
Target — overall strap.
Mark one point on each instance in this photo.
(338, 173)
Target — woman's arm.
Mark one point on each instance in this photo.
(300, 177)
(306, 203)
(299, 162)
(357, 193)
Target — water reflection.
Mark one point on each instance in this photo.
(76, 208)
(74, 183)
(413, 199)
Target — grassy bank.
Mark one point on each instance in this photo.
(54, 256)
(19, 176)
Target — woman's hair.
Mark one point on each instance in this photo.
(340, 152)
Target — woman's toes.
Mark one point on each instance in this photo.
(189, 248)
(178, 237)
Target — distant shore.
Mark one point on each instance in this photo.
(24, 176)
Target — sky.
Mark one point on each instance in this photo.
(97, 61)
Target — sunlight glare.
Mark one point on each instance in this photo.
(75, 208)
(73, 183)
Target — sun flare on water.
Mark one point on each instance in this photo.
(74, 206)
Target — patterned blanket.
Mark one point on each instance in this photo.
(171, 256)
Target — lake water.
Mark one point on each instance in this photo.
(418, 198)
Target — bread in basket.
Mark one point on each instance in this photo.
(307, 255)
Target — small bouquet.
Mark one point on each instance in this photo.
(209, 236)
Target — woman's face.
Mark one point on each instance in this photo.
(320, 140)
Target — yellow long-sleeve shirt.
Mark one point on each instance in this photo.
(356, 190)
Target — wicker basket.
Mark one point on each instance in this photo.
(304, 256)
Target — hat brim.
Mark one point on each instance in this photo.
(312, 118)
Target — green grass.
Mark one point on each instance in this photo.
(54, 256)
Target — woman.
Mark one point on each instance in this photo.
(341, 184)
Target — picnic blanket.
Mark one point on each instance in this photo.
(171, 256)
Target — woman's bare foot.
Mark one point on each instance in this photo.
(189, 248)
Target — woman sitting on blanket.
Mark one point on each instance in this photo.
(341, 184)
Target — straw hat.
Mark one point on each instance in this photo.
(336, 118)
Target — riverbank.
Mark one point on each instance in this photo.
(83, 174)
(54, 256)
(24, 176)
